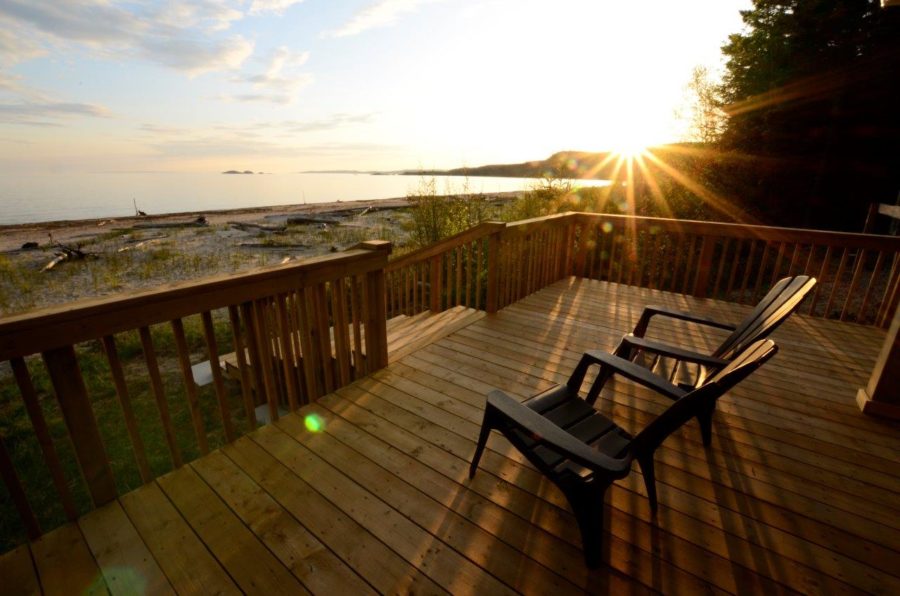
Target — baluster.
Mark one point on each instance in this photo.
(837, 282)
(735, 263)
(747, 270)
(757, 289)
(794, 258)
(821, 278)
(879, 262)
(723, 256)
(854, 282)
(288, 363)
(137, 444)
(42, 432)
(243, 368)
(341, 330)
(890, 289)
(479, 271)
(190, 387)
(162, 404)
(308, 342)
(776, 271)
(358, 366)
(320, 308)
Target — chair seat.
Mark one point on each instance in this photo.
(566, 410)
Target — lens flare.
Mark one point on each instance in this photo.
(314, 423)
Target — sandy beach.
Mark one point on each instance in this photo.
(141, 252)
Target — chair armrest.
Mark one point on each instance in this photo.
(547, 433)
(630, 370)
(662, 349)
(650, 311)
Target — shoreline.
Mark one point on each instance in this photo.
(13, 236)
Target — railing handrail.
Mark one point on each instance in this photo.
(57, 326)
(758, 232)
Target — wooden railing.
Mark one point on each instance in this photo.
(858, 274)
(495, 264)
(119, 371)
(449, 273)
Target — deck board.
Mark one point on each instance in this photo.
(797, 492)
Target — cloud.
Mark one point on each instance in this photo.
(273, 6)
(272, 85)
(15, 47)
(36, 113)
(380, 14)
(179, 34)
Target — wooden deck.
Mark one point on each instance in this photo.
(797, 493)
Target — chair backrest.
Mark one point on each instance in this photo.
(705, 396)
(776, 306)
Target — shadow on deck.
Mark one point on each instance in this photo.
(798, 491)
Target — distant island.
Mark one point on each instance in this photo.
(244, 172)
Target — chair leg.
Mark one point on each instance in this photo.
(704, 417)
(482, 441)
(646, 464)
(587, 502)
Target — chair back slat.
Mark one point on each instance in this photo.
(705, 396)
(775, 307)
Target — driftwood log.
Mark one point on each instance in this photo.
(65, 253)
(200, 222)
(251, 227)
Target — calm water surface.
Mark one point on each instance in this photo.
(49, 197)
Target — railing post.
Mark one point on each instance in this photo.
(881, 396)
(376, 309)
(75, 405)
(493, 267)
(704, 266)
(568, 265)
(434, 284)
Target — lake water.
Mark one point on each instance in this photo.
(49, 197)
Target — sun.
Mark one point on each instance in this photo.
(630, 150)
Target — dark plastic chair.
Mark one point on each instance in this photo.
(774, 308)
(582, 451)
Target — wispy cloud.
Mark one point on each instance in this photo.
(36, 113)
(26, 106)
(272, 6)
(177, 33)
(274, 85)
(380, 14)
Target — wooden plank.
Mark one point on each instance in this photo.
(75, 405)
(289, 361)
(514, 568)
(18, 573)
(65, 564)
(297, 548)
(252, 566)
(42, 432)
(188, 565)
(124, 560)
(444, 565)
(118, 375)
(351, 541)
(190, 387)
(159, 394)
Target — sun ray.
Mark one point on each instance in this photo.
(711, 198)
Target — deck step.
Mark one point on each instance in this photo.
(435, 327)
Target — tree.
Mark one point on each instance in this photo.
(704, 115)
(813, 95)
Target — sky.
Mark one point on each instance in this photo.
(294, 85)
